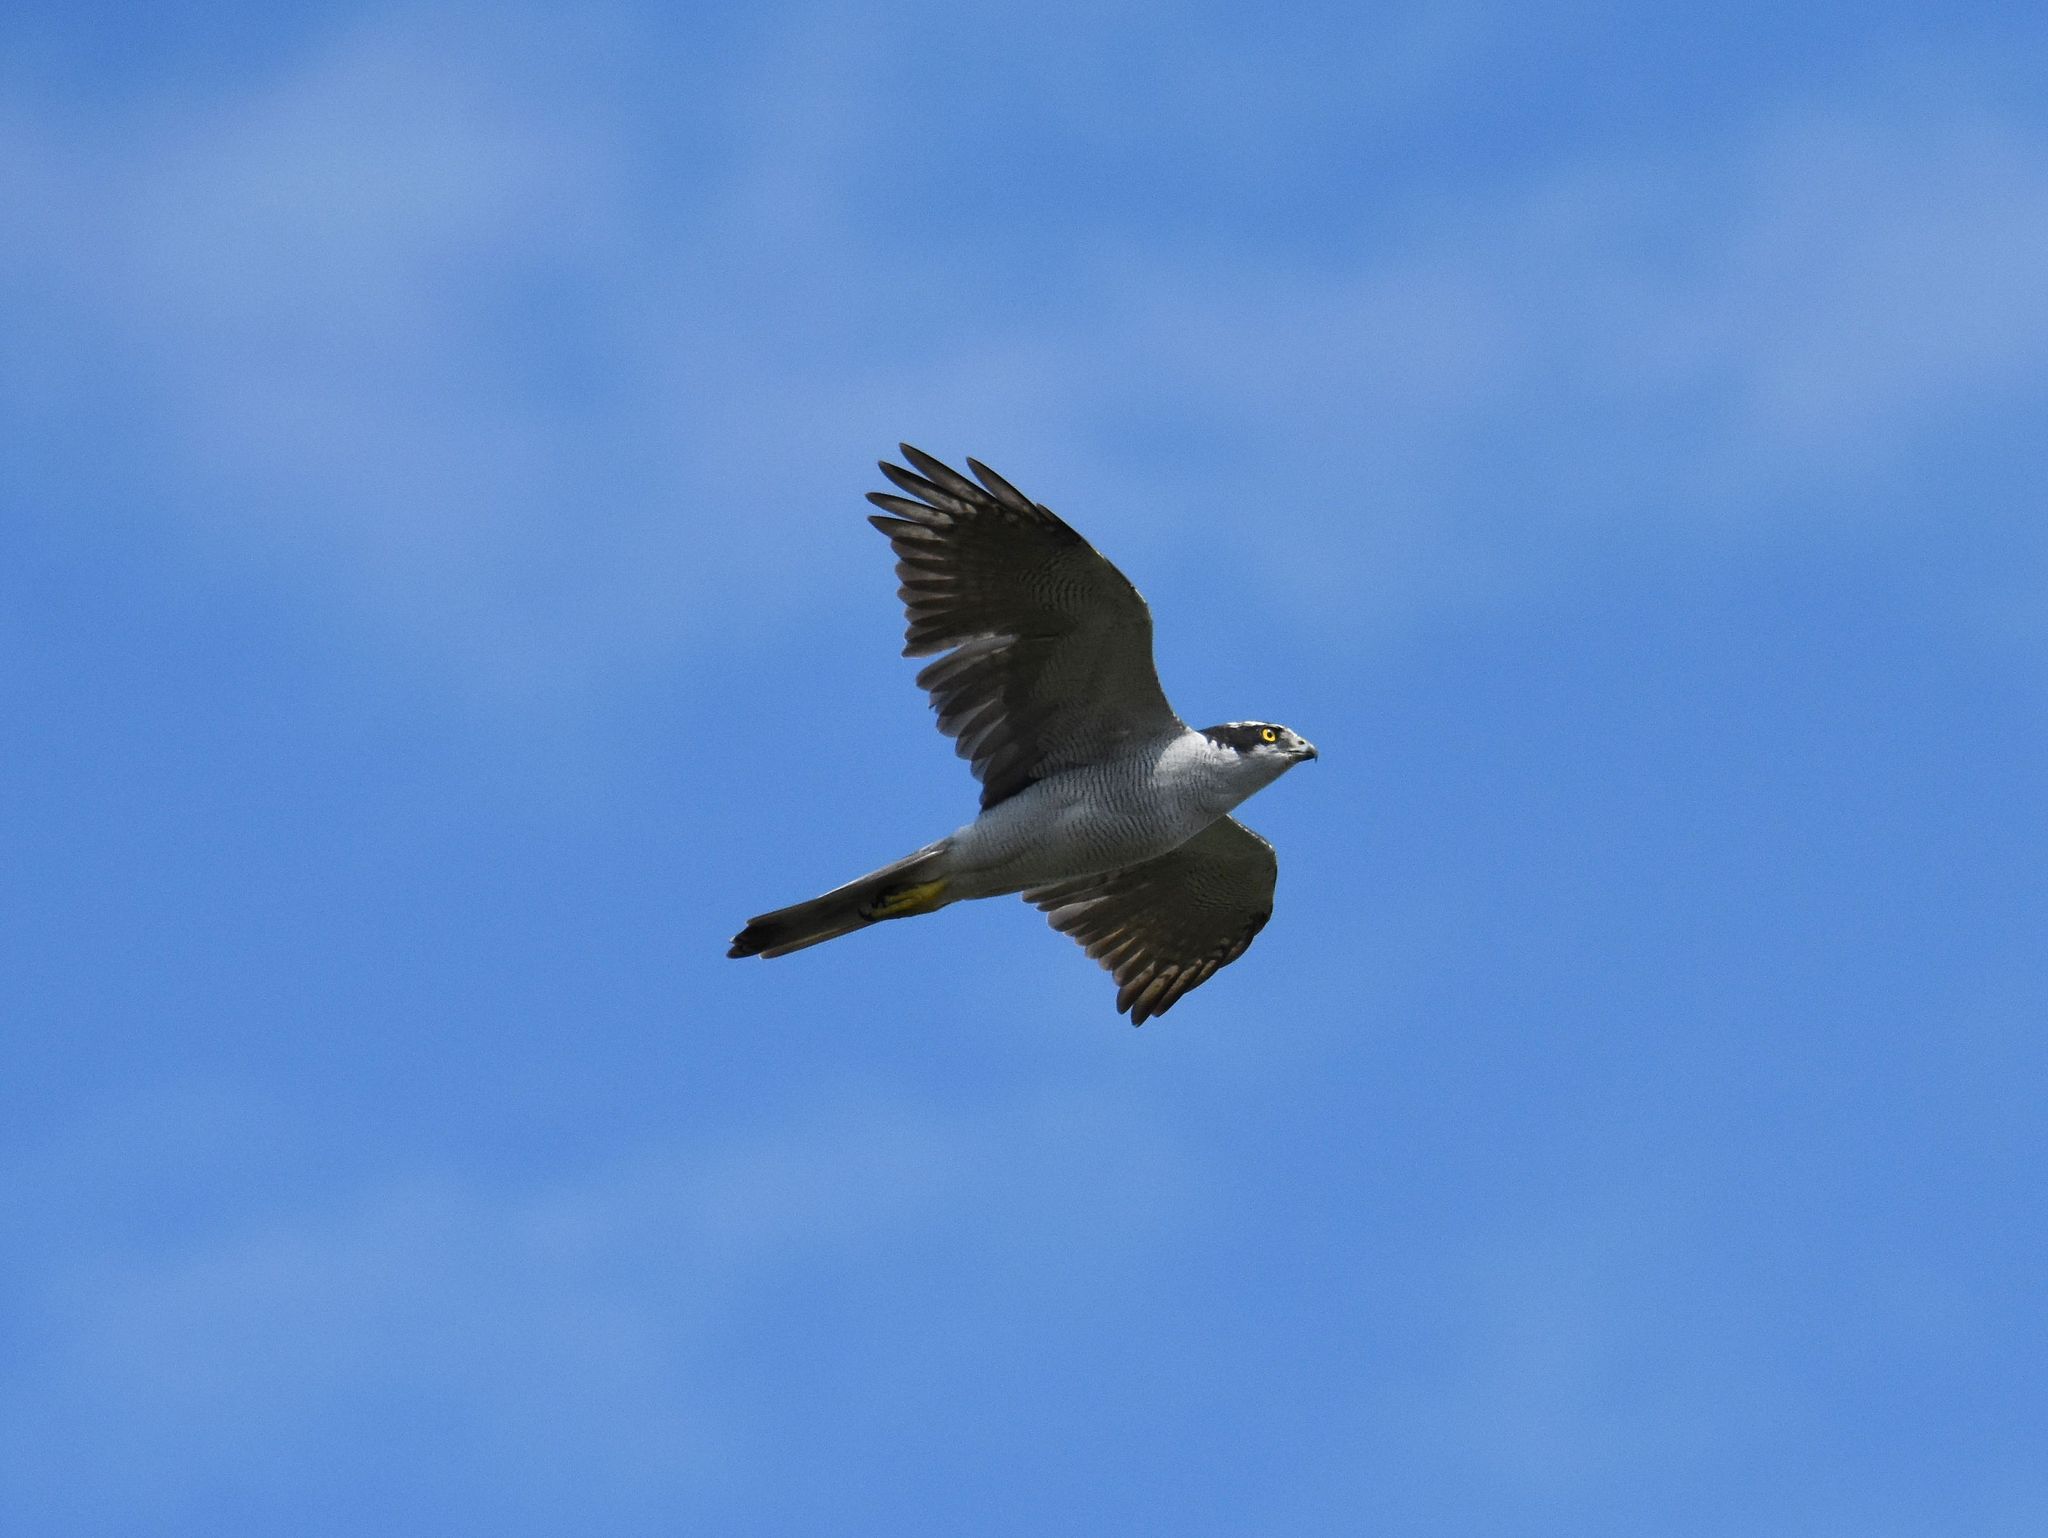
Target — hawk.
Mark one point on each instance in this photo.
(1098, 803)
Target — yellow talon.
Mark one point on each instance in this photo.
(922, 898)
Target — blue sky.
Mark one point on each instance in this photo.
(435, 609)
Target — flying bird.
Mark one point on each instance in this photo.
(1098, 803)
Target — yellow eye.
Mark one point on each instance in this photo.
(1269, 735)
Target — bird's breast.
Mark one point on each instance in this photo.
(1076, 823)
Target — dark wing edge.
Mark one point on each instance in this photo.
(924, 528)
(1046, 644)
(1164, 927)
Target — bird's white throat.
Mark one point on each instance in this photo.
(1196, 766)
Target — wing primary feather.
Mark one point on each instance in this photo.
(1001, 489)
(912, 512)
(941, 474)
(918, 486)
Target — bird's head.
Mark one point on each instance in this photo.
(1263, 744)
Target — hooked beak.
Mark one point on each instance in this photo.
(1308, 750)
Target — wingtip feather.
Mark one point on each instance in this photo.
(999, 488)
(941, 474)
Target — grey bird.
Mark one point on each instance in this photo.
(1098, 803)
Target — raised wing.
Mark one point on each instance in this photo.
(1048, 647)
(1166, 926)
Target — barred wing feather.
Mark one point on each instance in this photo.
(1047, 648)
(1165, 927)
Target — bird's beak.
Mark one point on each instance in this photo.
(1308, 750)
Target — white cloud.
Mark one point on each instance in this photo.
(403, 332)
(577, 1334)
(427, 325)
(1691, 344)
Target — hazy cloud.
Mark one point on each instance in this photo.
(406, 320)
(577, 1334)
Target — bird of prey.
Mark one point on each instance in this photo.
(1098, 803)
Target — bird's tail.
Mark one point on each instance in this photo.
(912, 885)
